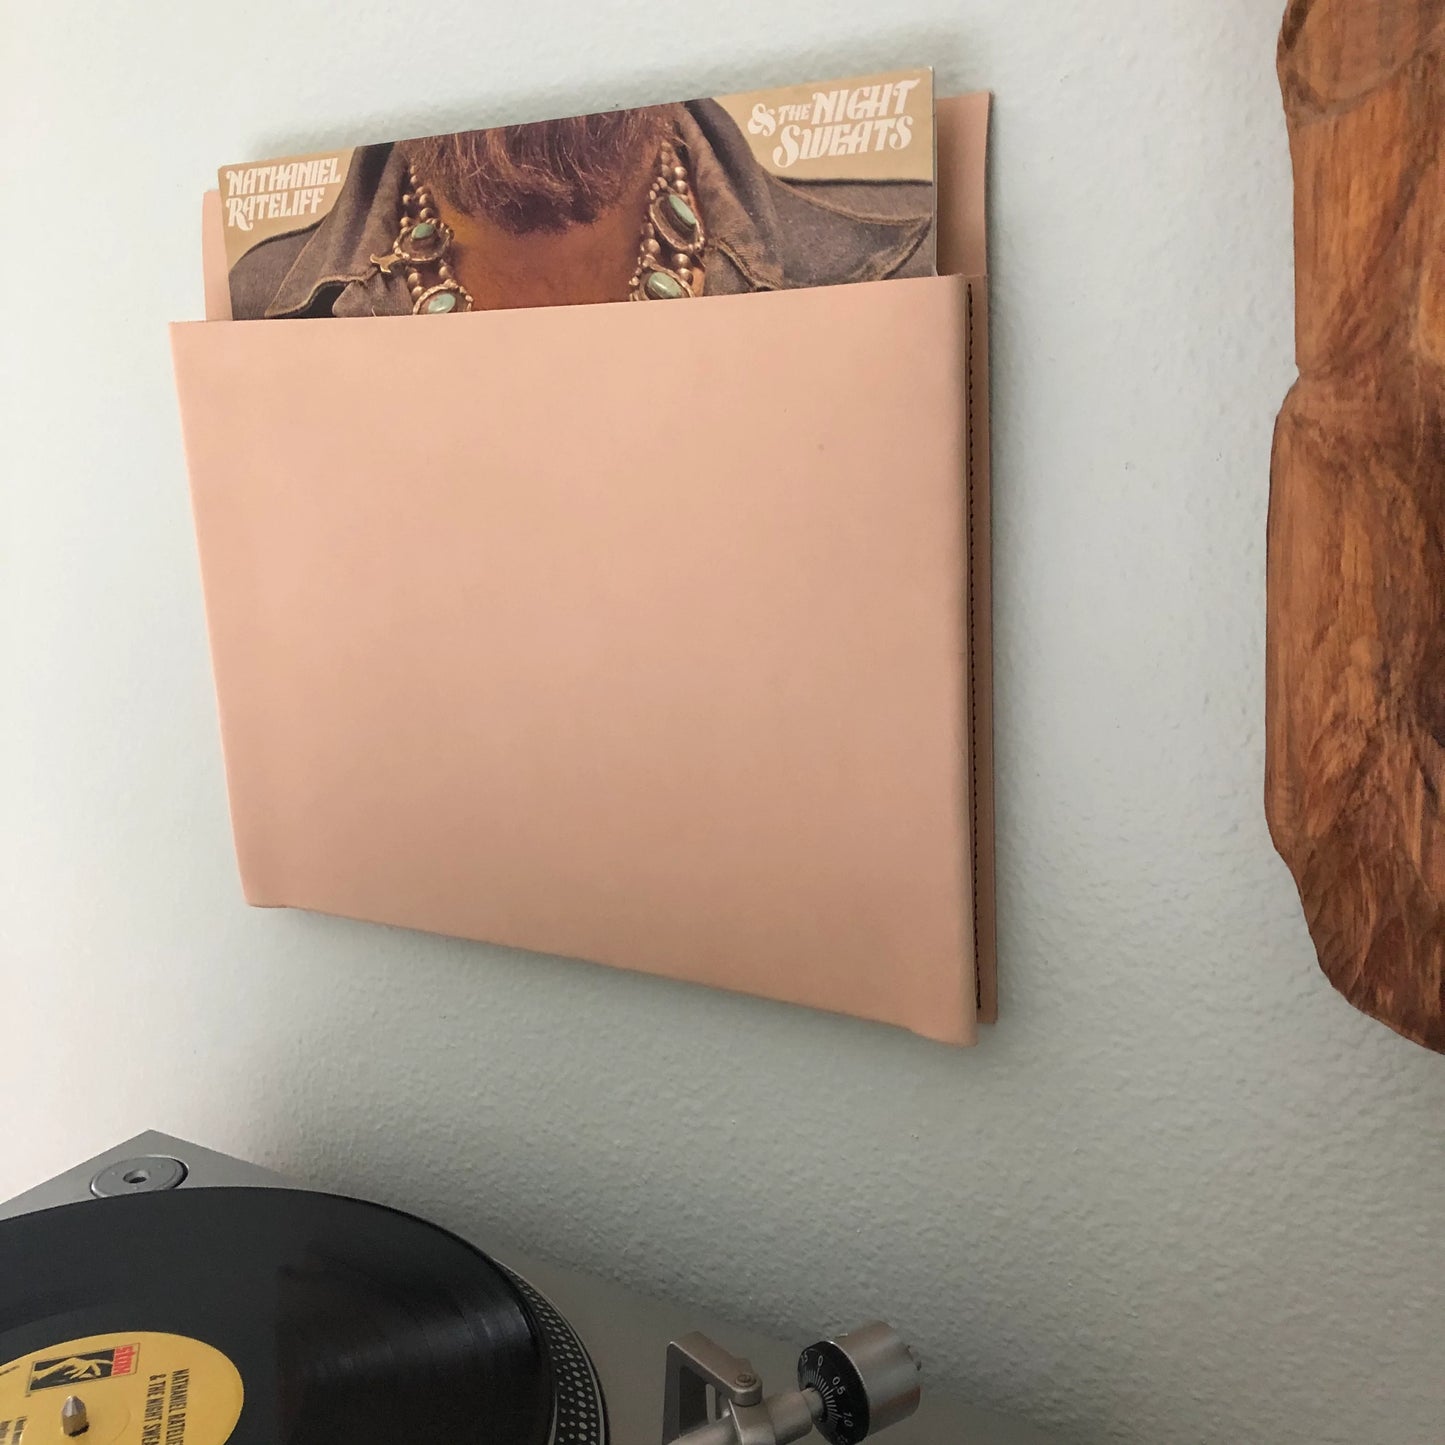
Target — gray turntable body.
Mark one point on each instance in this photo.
(625, 1333)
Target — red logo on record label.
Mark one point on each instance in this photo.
(76, 1369)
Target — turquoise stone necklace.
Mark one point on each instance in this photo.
(423, 245)
(670, 263)
(669, 260)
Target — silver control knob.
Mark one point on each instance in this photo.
(865, 1381)
(848, 1388)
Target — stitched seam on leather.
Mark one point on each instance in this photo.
(968, 467)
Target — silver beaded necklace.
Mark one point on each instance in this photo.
(669, 260)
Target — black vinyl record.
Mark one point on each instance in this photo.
(343, 1322)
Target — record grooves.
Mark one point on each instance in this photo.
(343, 1321)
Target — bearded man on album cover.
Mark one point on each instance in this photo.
(662, 203)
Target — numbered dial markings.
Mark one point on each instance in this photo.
(826, 1369)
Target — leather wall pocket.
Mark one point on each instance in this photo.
(651, 635)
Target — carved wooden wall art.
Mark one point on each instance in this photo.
(1355, 783)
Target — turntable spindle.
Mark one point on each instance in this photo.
(74, 1417)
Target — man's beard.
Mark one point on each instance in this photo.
(542, 177)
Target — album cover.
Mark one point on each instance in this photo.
(808, 185)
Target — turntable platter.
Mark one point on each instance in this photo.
(267, 1317)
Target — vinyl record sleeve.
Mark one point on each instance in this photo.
(804, 185)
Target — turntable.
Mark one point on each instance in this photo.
(164, 1294)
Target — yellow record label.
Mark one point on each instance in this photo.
(135, 1389)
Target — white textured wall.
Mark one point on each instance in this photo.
(1182, 1193)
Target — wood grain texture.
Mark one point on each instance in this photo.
(1355, 777)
